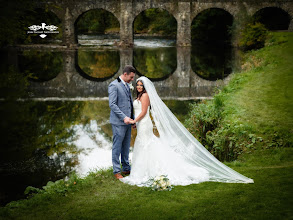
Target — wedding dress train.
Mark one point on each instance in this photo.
(175, 153)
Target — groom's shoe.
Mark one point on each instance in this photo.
(126, 172)
(118, 176)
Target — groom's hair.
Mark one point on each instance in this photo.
(128, 69)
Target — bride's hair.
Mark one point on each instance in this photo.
(139, 94)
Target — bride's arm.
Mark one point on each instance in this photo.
(145, 102)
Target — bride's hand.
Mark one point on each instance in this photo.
(132, 121)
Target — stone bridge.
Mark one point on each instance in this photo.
(182, 84)
(184, 11)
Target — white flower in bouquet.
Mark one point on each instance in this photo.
(160, 183)
(131, 86)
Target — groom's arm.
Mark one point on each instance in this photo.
(113, 96)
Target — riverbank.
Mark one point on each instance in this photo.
(253, 99)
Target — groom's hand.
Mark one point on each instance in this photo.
(132, 122)
(127, 120)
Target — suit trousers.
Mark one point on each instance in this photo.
(121, 145)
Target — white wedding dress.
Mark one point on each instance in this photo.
(152, 157)
(176, 153)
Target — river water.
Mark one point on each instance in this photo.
(63, 124)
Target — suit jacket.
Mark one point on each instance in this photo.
(120, 102)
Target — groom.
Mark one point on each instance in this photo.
(120, 102)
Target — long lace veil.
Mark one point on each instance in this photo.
(174, 134)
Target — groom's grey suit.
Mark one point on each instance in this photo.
(120, 102)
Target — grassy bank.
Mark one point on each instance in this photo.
(263, 95)
(256, 108)
(100, 196)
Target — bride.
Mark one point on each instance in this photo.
(175, 153)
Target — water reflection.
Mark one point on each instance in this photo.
(31, 132)
(98, 40)
(99, 64)
(184, 73)
(40, 65)
(211, 63)
(154, 42)
(112, 40)
(45, 141)
(155, 63)
(95, 148)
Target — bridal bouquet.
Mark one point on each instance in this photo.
(161, 183)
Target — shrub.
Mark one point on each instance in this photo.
(228, 141)
(225, 140)
(253, 36)
(204, 117)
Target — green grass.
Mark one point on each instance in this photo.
(261, 99)
(100, 196)
(265, 97)
(255, 109)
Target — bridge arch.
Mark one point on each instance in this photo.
(214, 14)
(164, 10)
(211, 40)
(97, 65)
(143, 7)
(233, 10)
(155, 63)
(80, 16)
(274, 18)
(183, 11)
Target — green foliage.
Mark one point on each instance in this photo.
(40, 65)
(99, 64)
(58, 187)
(155, 63)
(203, 118)
(141, 22)
(224, 140)
(14, 84)
(30, 190)
(228, 141)
(253, 36)
(179, 108)
(273, 18)
(211, 63)
(11, 28)
(28, 126)
(97, 21)
(155, 21)
(17, 16)
(211, 26)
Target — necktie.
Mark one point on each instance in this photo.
(127, 87)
